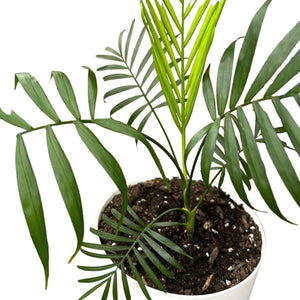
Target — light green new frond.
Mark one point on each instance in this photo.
(196, 21)
(200, 53)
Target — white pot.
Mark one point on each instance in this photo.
(241, 291)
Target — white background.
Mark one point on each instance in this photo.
(39, 36)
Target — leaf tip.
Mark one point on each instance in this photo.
(16, 80)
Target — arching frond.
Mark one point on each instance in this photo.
(239, 150)
(137, 242)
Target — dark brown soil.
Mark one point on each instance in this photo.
(226, 246)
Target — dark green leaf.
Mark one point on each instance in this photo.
(101, 256)
(14, 119)
(232, 159)
(112, 67)
(119, 89)
(209, 95)
(165, 224)
(92, 91)
(143, 63)
(97, 268)
(147, 74)
(166, 242)
(31, 204)
(137, 47)
(37, 94)
(224, 78)
(126, 221)
(162, 252)
(130, 131)
(111, 237)
(135, 216)
(138, 278)
(114, 225)
(208, 150)
(106, 160)
(255, 163)
(67, 185)
(289, 124)
(105, 247)
(148, 270)
(154, 82)
(246, 55)
(89, 292)
(116, 76)
(218, 162)
(66, 92)
(289, 71)
(124, 103)
(110, 57)
(115, 286)
(274, 61)
(113, 51)
(106, 290)
(136, 113)
(125, 283)
(297, 99)
(293, 91)
(222, 177)
(278, 155)
(120, 42)
(95, 279)
(156, 262)
(196, 138)
(219, 152)
(128, 40)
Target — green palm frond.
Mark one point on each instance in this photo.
(130, 76)
(157, 19)
(66, 181)
(238, 149)
(139, 247)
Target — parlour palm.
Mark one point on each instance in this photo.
(172, 74)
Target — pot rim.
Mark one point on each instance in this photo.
(250, 211)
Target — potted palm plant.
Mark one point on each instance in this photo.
(175, 77)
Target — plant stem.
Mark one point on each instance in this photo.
(186, 198)
(191, 214)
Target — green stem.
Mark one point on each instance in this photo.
(165, 213)
(172, 158)
(186, 197)
(190, 229)
(53, 125)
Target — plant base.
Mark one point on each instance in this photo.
(225, 250)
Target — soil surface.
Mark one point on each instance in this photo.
(226, 246)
